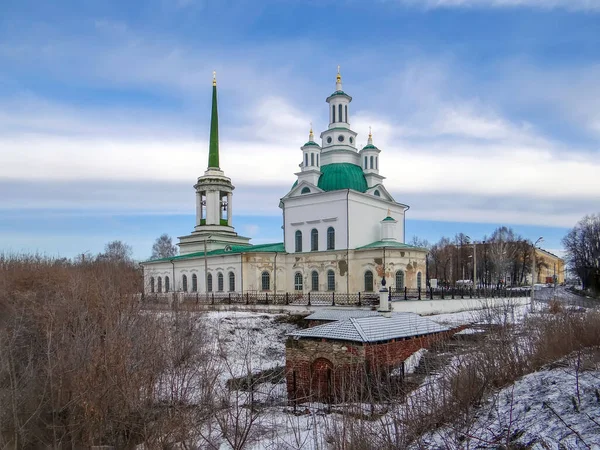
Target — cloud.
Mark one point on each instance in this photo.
(572, 5)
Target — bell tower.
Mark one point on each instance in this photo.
(214, 199)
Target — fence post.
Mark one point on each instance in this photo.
(266, 298)
(287, 299)
(431, 293)
(453, 289)
(419, 289)
(308, 298)
(443, 292)
(359, 304)
(405, 293)
(212, 298)
(333, 299)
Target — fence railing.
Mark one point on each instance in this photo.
(327, 298)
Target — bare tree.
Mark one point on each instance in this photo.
(582, 244)
(116, 251)
(163, 247)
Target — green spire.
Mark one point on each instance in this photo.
(213, 150)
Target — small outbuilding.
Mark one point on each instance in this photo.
(356, 355)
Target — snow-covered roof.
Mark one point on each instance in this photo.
(341, 314)
(373, 329)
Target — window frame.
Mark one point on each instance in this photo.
(220, 282)
(298, 241)
(298, 282)
(265, 280)
(184, 283)
(314, 281)
(194, 282)
(330, 238)
(369, 281)
(402, 277)
(159, 285)
(314, 240)
(167, 284)
(209, 282)
(231, 281)
(330, 280)
(152, 285)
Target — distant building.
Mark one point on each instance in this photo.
(549, 267)
(342, 229)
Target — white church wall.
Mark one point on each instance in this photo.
(321, 262)
(365, 215)
(319, 211)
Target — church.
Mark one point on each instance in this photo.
(343, 232)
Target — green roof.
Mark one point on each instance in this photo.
(269, 248)
(370, 147)
(339, 93)
(388, 218)
(340, 176)
(213, 150)
(310, 143)
(390, 244)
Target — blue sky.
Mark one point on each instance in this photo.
(486, 111)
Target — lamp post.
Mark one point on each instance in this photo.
(540, 239)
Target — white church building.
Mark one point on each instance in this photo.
(343, 231)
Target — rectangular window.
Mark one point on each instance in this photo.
(331, 281)
(312, 159)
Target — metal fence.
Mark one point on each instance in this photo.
(327, 298)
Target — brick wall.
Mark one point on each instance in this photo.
(329, 370)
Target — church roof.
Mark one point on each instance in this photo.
(369, 147)
(310, 143)
(389, 244)
(339, 176)
(336, 93)
(373, 329)
(233, 249)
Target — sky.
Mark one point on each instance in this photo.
(487, 112)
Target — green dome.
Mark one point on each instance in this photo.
(339, 176)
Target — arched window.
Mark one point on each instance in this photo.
(209, 282)
(220, 282)
(314, 240)
(194, 283)
(371, 162)
(330, 280)
(152, 284)
(312, 159)
(419, 279)
(305, 190)
(184, 282)
(306, 160)
(366, 163)
(167, 284)
(400, 280)
(376, 194)
(314, 281)
(346, 115)
(265, 279)
(368, 281)
(330, 238)
(159, 285)
(231, 282)
(332, 113)
(341, 119)
(317, 160)
(298, 240)
(298, 281)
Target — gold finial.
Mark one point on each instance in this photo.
(311, 136)
(214, 78)
(339, 76)
(370, 134)
(389, 213)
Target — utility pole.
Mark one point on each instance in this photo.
(540, 239)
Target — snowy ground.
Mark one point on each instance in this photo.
(556, 408)
(538, 410)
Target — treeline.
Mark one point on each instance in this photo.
(502, 259)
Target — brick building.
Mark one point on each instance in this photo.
(349, 356)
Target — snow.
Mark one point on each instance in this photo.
(542, 410)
